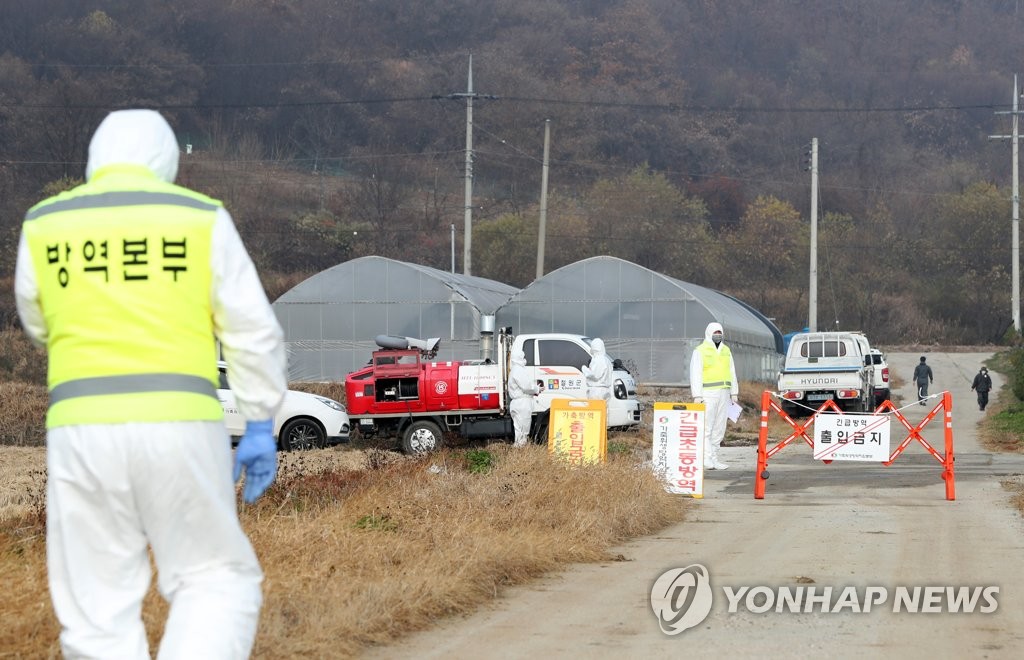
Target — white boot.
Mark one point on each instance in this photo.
(710, 457)
(715, 461)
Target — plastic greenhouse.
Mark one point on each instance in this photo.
(648, 320)
(331, 320)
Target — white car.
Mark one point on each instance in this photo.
(882, 392)
(304, 421)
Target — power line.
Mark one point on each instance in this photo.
(674, 107)
(663, 107)
(214, 106)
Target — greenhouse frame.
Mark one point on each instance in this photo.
(332, 319)
(650, 321)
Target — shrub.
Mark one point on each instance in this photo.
(1016, 375)
(479, 461)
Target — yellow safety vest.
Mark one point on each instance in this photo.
(717, 366)
(123, 268)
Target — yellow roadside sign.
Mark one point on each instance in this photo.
(577, 430)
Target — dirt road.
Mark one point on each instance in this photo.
(842, 525)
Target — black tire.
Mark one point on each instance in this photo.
(302, 434)
(422, 437)
(539, 428)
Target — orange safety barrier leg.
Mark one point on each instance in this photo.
(761, 477)
(947, 463)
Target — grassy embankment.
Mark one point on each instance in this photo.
(358, 556)
(1003, 427)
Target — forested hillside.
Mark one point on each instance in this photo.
(679, 130)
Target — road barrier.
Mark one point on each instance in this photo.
(769, 404)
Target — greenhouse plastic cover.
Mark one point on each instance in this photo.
(650, 321)
(331, 320)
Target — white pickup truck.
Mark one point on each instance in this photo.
(882, 389)
(822, 366)
(556, 361)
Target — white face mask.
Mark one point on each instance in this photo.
(717, 338)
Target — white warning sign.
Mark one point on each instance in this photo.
(851, 437)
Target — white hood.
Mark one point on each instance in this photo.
(597, 346)
(134, 137)
(712, 329)
(518, 357)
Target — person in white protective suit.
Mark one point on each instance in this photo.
(129, 281)
(521, 390)
(599, 372)
(713, 382)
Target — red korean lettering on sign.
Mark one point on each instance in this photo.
(576, 440)
(687, 432)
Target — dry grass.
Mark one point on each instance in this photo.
(1000, 437)
(360, 549)
(23, 418)
(20, 361)
(22, 481)
(332, 390)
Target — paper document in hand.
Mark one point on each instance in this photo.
(734, 412)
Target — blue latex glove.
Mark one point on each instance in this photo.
(257, 451)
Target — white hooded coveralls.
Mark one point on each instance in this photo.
(521, 390)
(716, 401)
(599, 372)
(113, 489)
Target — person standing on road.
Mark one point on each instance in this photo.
(713, 382)
(923, 376)
(521, 390)
(982, 385)
(599, 372)
(128, 281)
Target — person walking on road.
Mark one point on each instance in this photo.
(713, 382)
(923, 376)
(521, 390)
(982, 385)
(129, 281)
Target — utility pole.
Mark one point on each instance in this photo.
(469, 95)
(1015, 221)
(812, 291)
(542, 229)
